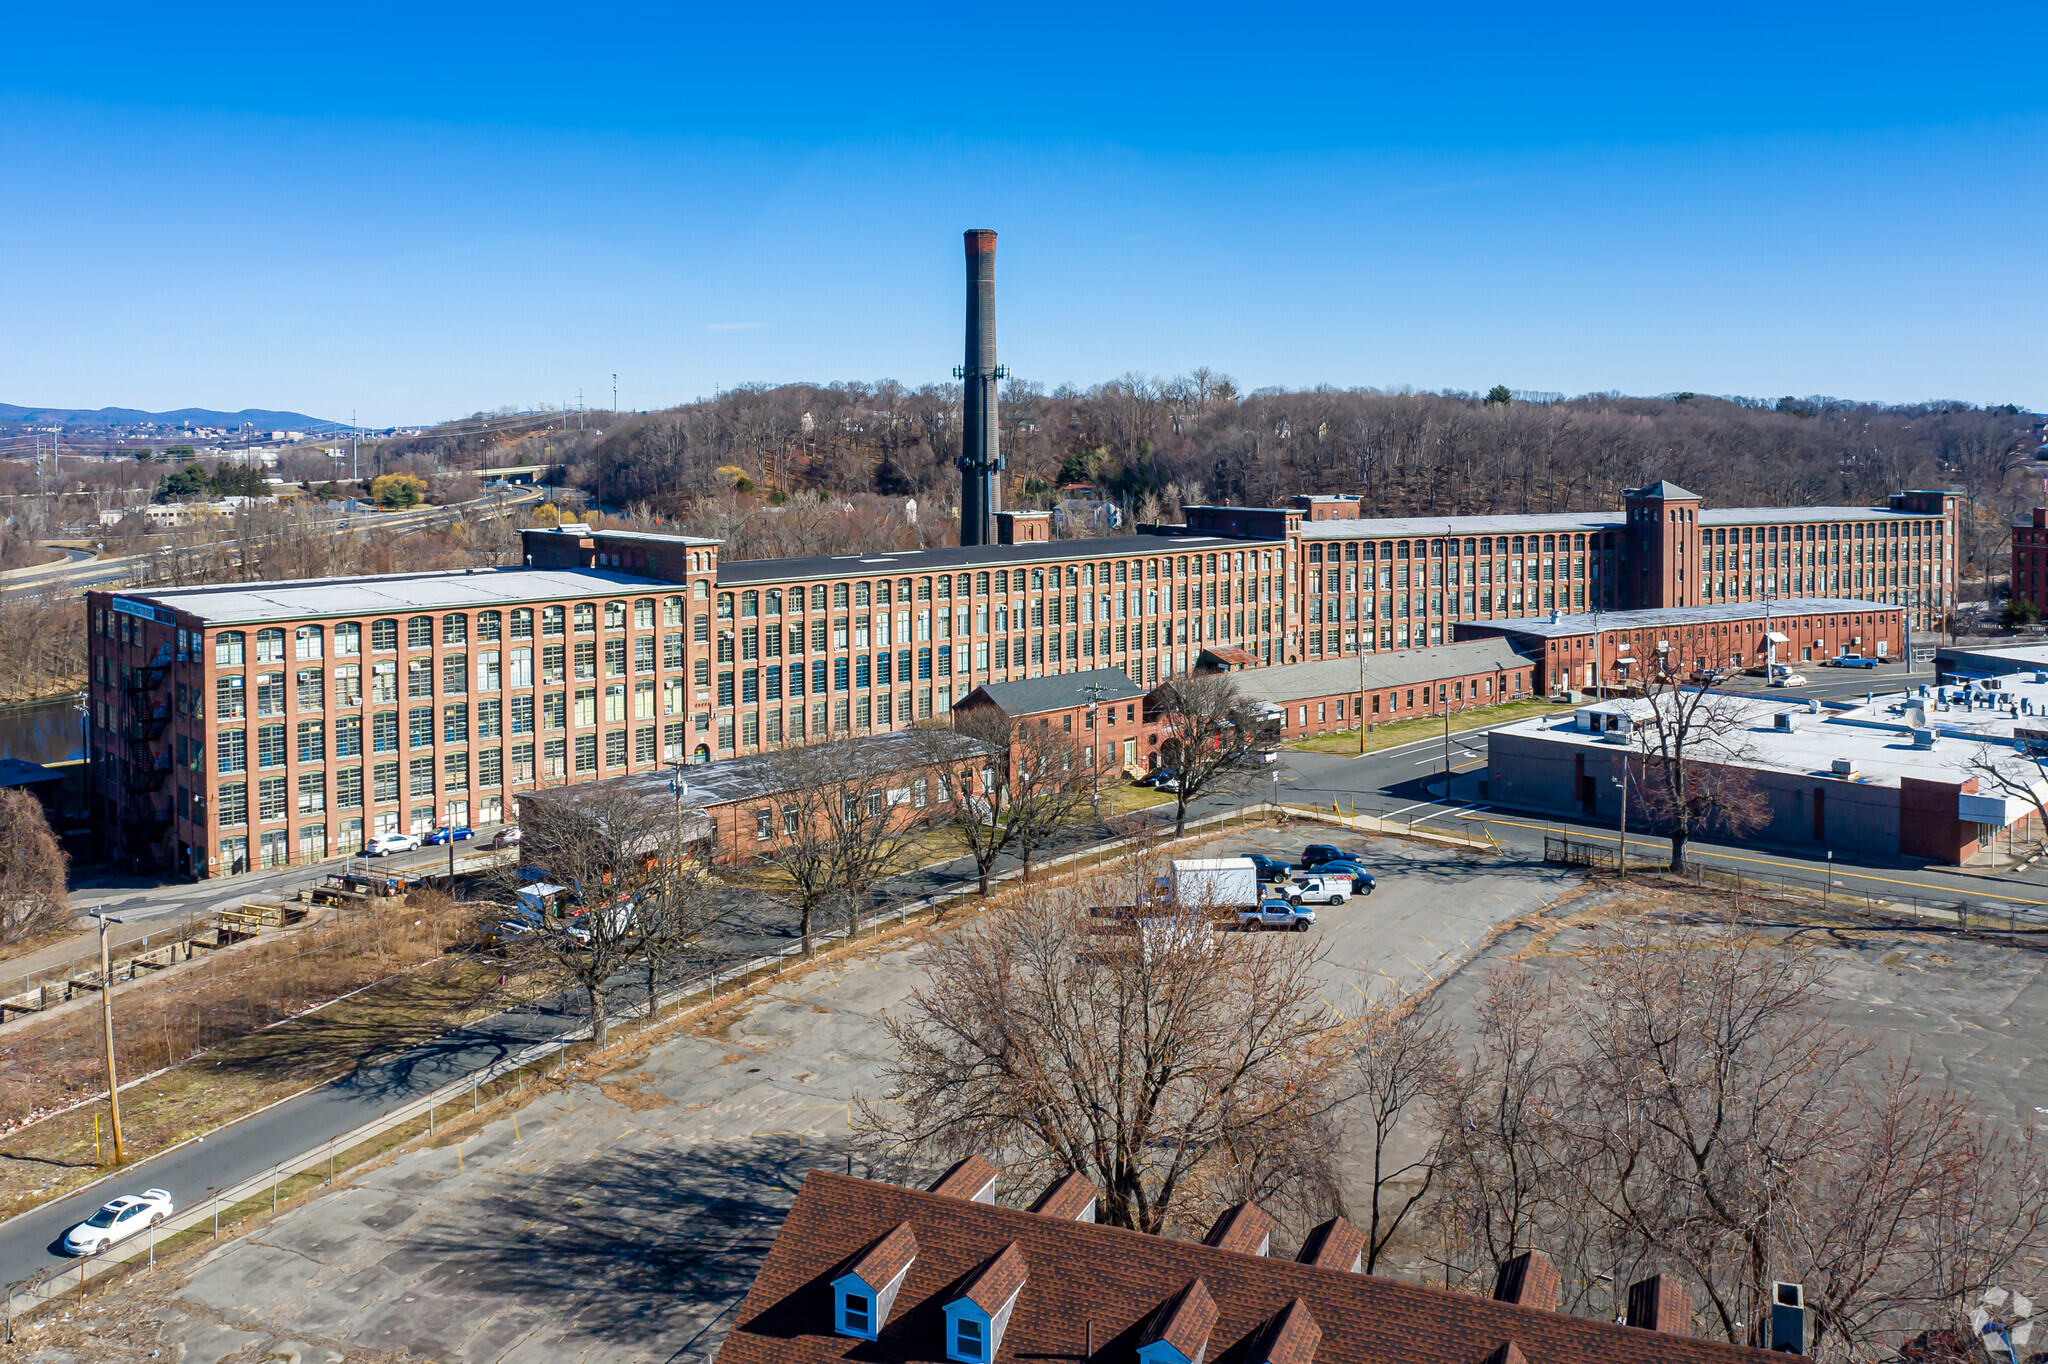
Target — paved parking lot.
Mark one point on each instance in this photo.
(622, 1220)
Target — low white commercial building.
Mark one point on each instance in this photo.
(1937, 773)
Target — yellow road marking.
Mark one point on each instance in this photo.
(1763, 862)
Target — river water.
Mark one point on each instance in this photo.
(42, 731)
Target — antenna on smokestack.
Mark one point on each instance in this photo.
(981, 458)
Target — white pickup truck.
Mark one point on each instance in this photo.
(1320, 890)
(1280, 914)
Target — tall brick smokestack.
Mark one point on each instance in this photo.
(981, 458)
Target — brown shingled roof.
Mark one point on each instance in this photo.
(1529, 1280)
(1290, 1338)
(971, 1178)
(1184, 1321)
(886, 1259)
(996, 1282)
(1243, 1227)
(1111, 1280)
(1069, 1198)
(1506, 1354)
(1336, 1244)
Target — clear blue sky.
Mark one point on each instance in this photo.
(417, 215)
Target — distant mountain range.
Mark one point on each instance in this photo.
(197, 416)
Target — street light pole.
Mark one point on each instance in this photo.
(107, 1027)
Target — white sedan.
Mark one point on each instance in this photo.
(383, 845)
(118, 1221)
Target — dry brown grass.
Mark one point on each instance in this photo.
(236, 1035)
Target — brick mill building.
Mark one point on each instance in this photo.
(249, 725)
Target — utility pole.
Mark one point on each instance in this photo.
(1094, 691)
(1621, 848)
(615, 393)
(1364, 736)
(107, 1033)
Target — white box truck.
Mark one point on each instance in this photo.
(1215, 885)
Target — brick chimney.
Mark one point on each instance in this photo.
(1529, 1280)
(1658, 1303)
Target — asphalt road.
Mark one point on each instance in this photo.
(91, 571)
(29, 1243)
(753, 925)
(1407, 783)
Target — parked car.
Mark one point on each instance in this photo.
(1853, 661)
(383, 845)
(1315, 854)
(1279, 914)
(1270, 868)
(440, 836)
(1320, 889)
(507, 837)
(1788, 680)
(1361, 879)
(1165, 779)
(118, 1221)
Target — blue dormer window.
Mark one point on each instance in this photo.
(967, 1340)
(863, 1295)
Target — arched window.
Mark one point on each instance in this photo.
(310, 642)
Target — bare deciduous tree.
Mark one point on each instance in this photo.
(1694, 776)
(610, 846)
(1212, 736)
(1178, 1070)
(842, 818)
(32, 870)
(1678, 1100)
(1020, 780)
(1403, 1061)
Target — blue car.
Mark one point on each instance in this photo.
(1361, 879)
(440, 836)
(1270, 868)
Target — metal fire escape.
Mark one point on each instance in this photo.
(149, 761)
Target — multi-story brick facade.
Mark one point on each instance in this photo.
(2030, 559)
(255, 725)
(252, 724)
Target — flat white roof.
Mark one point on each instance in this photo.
(1875, 734)
(389, 594)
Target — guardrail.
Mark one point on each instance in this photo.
(59, 1280)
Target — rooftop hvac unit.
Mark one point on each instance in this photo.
(1923, 738)
(1812, 706)
(1843, 767)
(1785, 721)
(2040, 676)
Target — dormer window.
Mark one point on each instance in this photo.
(975, 1320)
(862, 1296)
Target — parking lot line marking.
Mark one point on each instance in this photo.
(1767, 862)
